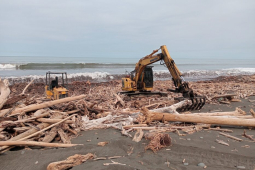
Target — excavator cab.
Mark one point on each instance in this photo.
(145, 81)
(53, 89)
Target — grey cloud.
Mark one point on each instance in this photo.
(187, 27)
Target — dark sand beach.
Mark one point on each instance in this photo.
(185, 153)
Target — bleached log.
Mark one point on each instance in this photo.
(38, 114)
(237, 112)
(4, 92)
(232, 137)
(42, 105)
(119, 99)
(136, 125)
(50, 135)
(102, 122)
(220, 120)
(33, 143)
(172, 109)
(23, 92)
(64, 137)
(222, 142)
(138, 135)
(113, 163)
(70, 162)
(46, 120)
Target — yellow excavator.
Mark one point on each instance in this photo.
(53, 89)
(140, 81)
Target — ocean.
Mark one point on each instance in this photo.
(107, 68)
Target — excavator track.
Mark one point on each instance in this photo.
(143, 93)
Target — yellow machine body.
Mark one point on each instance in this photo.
(56, 93)
(142, 78)
(53, 90)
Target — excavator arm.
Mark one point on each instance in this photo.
(179, 83)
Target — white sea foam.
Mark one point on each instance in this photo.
(237, 70)
(160, 71)
(7, 66)
(159, 74)
(223, 72)
(93, 75)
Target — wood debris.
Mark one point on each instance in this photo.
(222, 142)
(26, 115)
(70, 162)
(248, 136)
(138, 135)
(113, 163)
(158, 141)
(102, 143)
(229, 136)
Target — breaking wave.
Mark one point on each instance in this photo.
(7, 66)
(66, 66)
(207, 74)
(191, 75)
(223, 72)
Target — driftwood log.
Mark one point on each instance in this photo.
(4, 92)
(237, 112)
(172, 108)
(220, 120)
(23, 92)
(229, 136)
(41, 106)
(50, 135)
(33, 143)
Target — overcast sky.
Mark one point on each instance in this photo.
(127, 28)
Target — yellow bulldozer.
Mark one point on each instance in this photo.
(53, 89)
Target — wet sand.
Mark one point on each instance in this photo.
(199, 147)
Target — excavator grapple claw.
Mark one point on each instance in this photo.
(197, 103)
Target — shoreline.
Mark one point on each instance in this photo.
(116, 77)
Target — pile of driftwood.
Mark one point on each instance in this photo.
(20, 112)
(27, 118)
